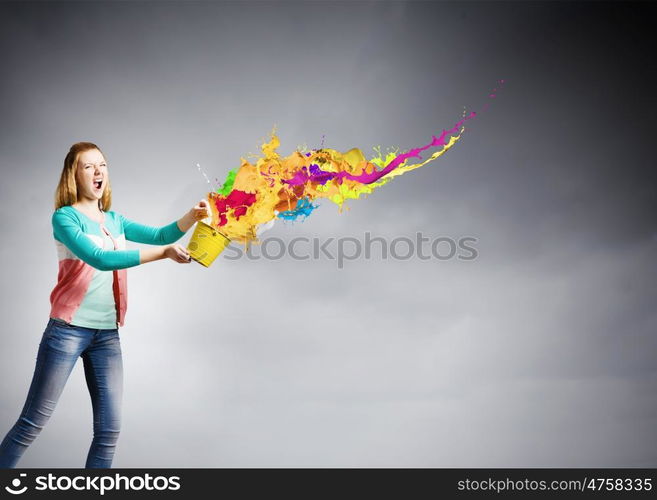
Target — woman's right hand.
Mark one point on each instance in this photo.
(177, 253)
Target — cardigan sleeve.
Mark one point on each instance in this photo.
(68, 231)
(150, 235)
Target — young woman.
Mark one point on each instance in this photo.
(88, 303)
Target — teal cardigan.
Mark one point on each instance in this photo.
(91, 289)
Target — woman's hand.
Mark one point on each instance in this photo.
(177, 253)
(201, 210)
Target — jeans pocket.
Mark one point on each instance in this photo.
(64, 337)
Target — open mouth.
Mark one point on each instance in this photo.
(98, 184)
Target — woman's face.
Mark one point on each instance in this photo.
(91, 175)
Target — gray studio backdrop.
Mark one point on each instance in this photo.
(539, 352)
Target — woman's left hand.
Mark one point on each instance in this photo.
(201, 210)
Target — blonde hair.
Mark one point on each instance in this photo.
(67, 189)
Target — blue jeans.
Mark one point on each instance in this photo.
(61, 346)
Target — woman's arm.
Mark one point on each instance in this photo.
(177, 253)
(150, 235)
(186, 221)
(67, 230)
(166, 234)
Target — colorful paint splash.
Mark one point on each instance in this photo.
(254, 194)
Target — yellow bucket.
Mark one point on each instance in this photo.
(206, 244)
